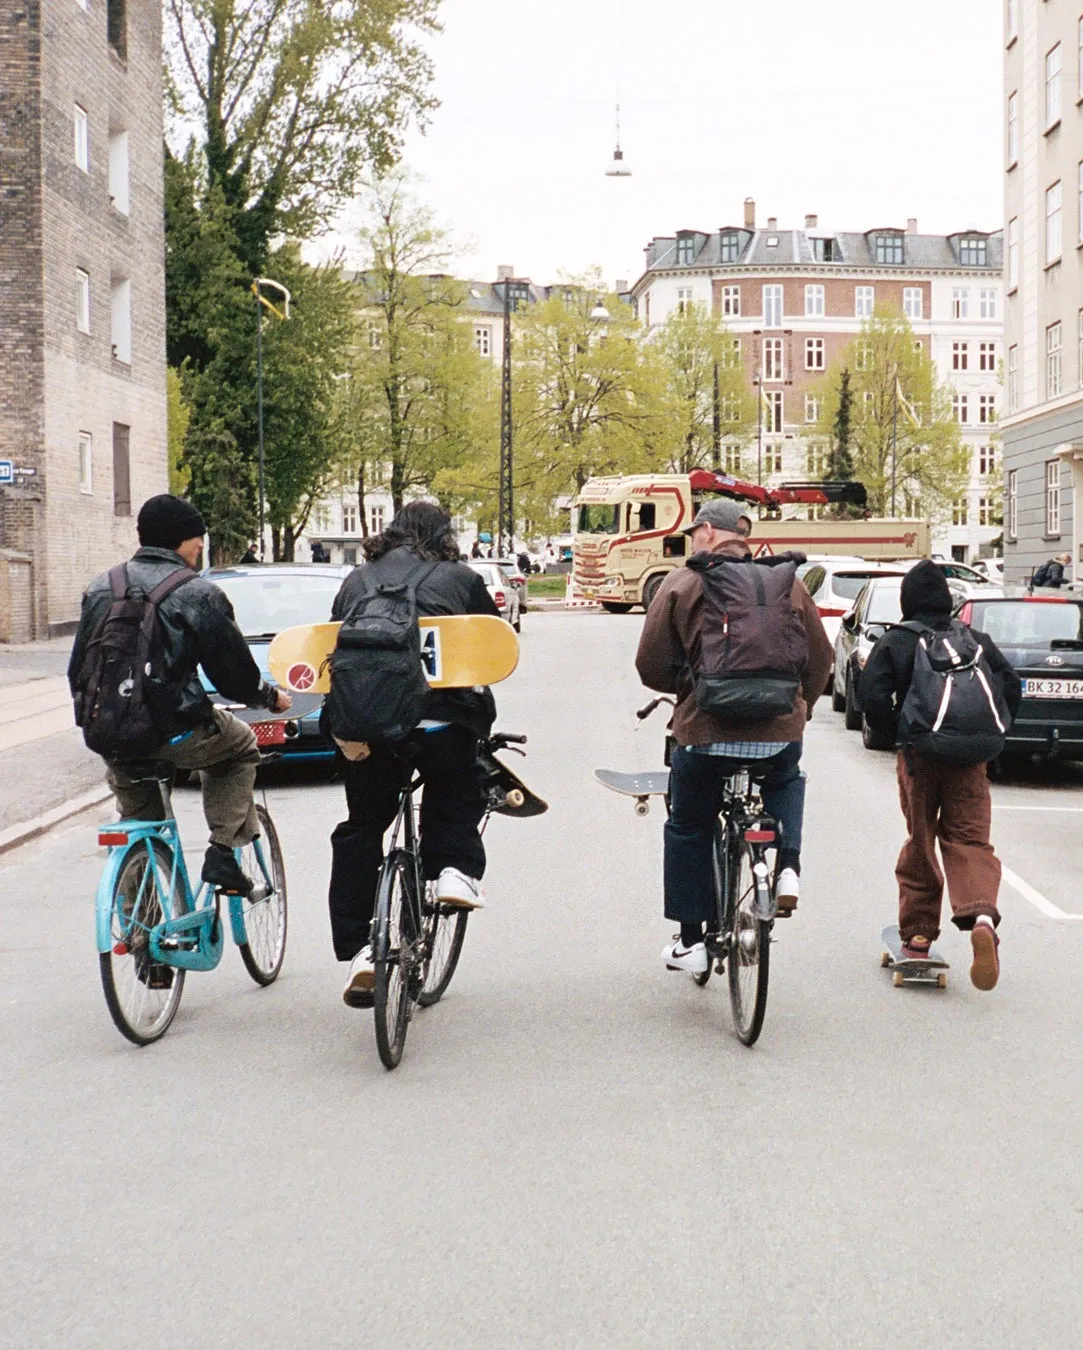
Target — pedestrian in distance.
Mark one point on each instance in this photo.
(319, 553)
(1051, 573)
(475, 550)
(250, 555)
(748, 715)
(947, 696)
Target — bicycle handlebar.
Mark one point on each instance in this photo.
(654, 703)
(499, 739)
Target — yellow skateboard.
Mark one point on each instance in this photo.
(457, 652)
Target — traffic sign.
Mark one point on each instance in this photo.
(7, 471)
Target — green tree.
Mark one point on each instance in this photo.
(911, 439)
(840, 464)
(178, 415)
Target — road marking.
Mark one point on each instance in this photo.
(1006, 806)
(1037, 899)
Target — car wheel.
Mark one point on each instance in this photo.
(650, 590)
(838, 701)
(615, 607)
(851, 710)
(518, 624)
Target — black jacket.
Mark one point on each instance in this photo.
(885, 681)
(447, 588)
(197, 627)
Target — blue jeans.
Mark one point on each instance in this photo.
(695, 789)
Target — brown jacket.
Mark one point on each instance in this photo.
(669, 646)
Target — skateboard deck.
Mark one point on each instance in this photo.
(911, 970)
(457, 652)
(508, 794)
(642, 786)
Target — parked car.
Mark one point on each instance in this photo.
(992, 569)
(1041, 636)
(876, 606)
(965, 581)
(267, 598)
(834, 583)
(505, 595)
(514, 574)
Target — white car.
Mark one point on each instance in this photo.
(835, 583)
(505, 595)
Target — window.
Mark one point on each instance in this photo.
(988, 304)
(1079, 198)
(731, 302)
(960, 355)
(814, 354)
(1013, 128)
(913, 302)
(686, 250)
(1013, 20)
(376, 519)
(1052, 86)
(1052, 225)
(731, 459)
(86, 462)
(483, 341)
(1052, 497)
(82, 139)
(825, 250)
(122, 474)
(118, 172)
(82, 300)
(375, 336)
(960, 512)
(813, 406)
(889, 248)
(960, 302)
(772, 359)
(817, 460)
(518, 294)
(987, 356)
(1079, 350)
(731, 354)
(959, 408)
(987, 407)
(814, 301)
(684, 299)
(773, 417)
(866, 403)
(729, 408)
(121, 328)
(772, 306)
(1053, 380)
(973, 251)
(1013, 378)
(987, 460)
(861, 356)
(730, 246)
(116, 19)
(1013, 254)
(864, 296)
(647, 309)
(1079, 57)
(772, 458)
(349, 519)
(1013, 504)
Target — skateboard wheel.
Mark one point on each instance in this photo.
(514, 798)
(885, 959)
(642, 807)
(897, 979)
(941, 981)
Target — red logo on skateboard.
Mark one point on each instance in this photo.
(301, 676)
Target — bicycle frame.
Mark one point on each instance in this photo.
(405, 826)
(743, 819)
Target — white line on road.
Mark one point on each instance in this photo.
(1007, 806)
(1037, 899)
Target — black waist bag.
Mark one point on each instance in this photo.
(378, 687)
(753, 644)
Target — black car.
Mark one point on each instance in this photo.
(1041, 636)
(876, 606)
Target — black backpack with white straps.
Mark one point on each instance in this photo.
(954, 710)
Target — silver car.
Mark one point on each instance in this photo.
(505, 594)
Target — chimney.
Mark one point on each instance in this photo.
(811, 222)
(772, 223)
(620, 286)
(912, 225)
(750, 213)
(505, 272)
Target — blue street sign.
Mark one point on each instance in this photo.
(7, 471)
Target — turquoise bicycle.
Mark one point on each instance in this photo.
(152, 929)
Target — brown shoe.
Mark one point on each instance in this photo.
(985, 970)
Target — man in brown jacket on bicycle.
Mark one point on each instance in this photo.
(708, 749)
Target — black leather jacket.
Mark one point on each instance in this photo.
(197, 628)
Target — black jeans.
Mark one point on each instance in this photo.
(452, 805)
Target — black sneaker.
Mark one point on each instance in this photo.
(222, 871)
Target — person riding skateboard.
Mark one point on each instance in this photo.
(443, 748)
(941, 801)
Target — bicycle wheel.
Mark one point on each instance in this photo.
(445, 929)
(718, 881)
(395, 956)
(749, 952)
(264, 920)
(142, 995)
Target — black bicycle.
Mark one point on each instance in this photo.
(416, 940)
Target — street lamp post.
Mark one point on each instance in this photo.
(716, 423)
(284, 313)
(506, 506)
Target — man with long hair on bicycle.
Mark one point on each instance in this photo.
(443, 748)
(709, 750)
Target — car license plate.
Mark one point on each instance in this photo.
(1034, 688)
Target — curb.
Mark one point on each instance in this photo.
(30, 829)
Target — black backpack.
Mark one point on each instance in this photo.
(954, 709)
(123, 701)
(1041, 575)
(378, 686)
(753, 644)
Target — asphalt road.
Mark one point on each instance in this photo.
(575, 1151)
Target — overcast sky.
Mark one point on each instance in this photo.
(863, 111)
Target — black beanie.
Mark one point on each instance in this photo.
(925, 591)
(166, 521)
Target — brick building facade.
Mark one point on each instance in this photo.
(82, 307)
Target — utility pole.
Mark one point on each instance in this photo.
(506, 509)
(894, 436)
(282, 314)
(716, 425)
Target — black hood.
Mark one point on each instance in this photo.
(925, 591)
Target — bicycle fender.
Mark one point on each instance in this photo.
(103, 901)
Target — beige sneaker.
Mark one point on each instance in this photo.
(359, 982)
(457, 889)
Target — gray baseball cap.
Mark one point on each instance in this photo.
(722, 513)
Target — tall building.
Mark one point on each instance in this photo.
(1043, 423)
(82, 297)
(795, 298)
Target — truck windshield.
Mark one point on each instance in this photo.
(599, 519)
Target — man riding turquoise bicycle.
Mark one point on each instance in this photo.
(742, 647)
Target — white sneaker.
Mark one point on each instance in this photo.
(457, 889)
(358, 991)
(693, 959)
(787, 890)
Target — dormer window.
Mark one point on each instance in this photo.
(686, 250)
(889, 248)
(973, 251)
(825, 250)
(772, 241)
(518, 294)
(730, 246)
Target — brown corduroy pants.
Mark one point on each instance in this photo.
(949, 804)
